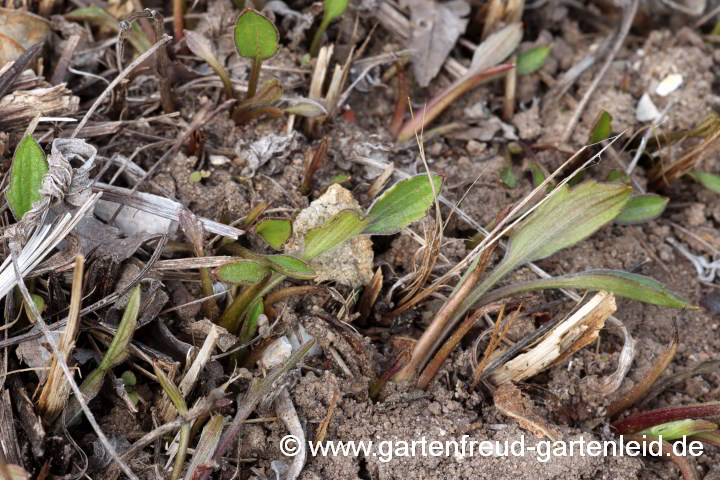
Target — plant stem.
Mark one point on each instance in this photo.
(179, 19)
(317, 39)
(254, 76)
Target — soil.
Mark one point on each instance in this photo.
(261, 162)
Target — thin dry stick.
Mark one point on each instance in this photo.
(63, 364)
(165, 39)
(619, 40)
(494, 342)
(432, 368)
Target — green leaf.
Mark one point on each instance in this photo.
(341, 227)
(621, 284)
(306, 109)
(241, 272)
(118, 349)
(199, 175)
(643, 208)
(275, 231)
(255, 36)
(602, 128)
(402, 204)
(508, 177)
(249, 327)
(538, 176)
(39, 305)
(178, 400)
(565, 219)
(334, 8)
(340, 179)
(129, 379)
(679, 428)
(707, 180)
(171, 390)
(618, 176)
(532, 59)
(291, 266)
(28, 169)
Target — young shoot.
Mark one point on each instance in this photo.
(332, 9)
(256, 39)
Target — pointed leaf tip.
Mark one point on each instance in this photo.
(402, 204)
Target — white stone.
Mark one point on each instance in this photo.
(646, 110)
(669, 84)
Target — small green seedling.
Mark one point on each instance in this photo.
(175, 396)
(201, 46)
(332, 9)
(199, 175)
(256, 39)
(532, 60)
(402, 204)
(116, 353)
(129, 382)
(26, 177)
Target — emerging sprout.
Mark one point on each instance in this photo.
(332, 9)
(256, 39)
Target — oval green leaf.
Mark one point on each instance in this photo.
(707, 180)
(402, 204)
(256, 37)
(28, 169)
(241, 272)
(643, 208)
(275, 231)
(532, 59)
(602, 128)
(290, 266)
(508, 177)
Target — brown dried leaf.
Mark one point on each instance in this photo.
(510, 401)
(19, 30)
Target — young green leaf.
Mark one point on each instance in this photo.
(707, 180)
(642, 208)
(241, 272)
(256, 37)
(618, 176)
(508, 177)
(177, 399)
(565, 219)
(532, 59)
(602, 128)
(640, 421)
(679, 428)
(275, 231)
(617, 282)
(538, 176)
(250, 326)
(28, 169)
(403, 203)
(39, 305)
(290, 266)
(332, 233)
(117, 352)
